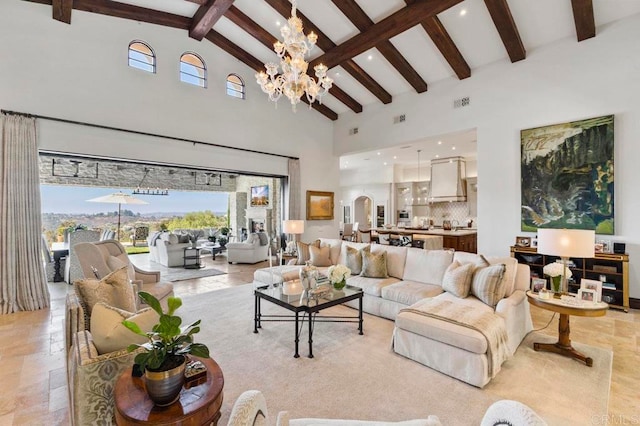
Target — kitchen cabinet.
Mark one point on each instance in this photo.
(468, 243)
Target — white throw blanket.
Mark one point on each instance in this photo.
(490, 325)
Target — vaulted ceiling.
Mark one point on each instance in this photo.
(375, 49)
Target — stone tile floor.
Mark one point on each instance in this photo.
(32, 359)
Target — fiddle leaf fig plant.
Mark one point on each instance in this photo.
(167, 339)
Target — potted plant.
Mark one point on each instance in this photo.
(163, 358)
(222, 240)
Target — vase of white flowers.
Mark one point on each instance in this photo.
(556, 271)
(338, 275)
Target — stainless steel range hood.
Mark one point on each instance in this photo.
(447, 180)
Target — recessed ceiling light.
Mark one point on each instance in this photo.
(437, 156)
(395, 157)
(463, 12)
(337, 74)
(278, 23)
(370, 57)
(378, 153)
(439, 142)
(385, 163)
(453, 148)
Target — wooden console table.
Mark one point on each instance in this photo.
(199, 402)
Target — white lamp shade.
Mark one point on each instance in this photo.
(566, 242)
(293, 226)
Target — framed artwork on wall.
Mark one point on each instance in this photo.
(319, 205)
(566, 173)
(260, 196)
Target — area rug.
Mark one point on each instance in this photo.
(181, 274)
(360, 377)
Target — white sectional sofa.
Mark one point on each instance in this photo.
(415, 275)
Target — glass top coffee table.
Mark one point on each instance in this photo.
(309, 307)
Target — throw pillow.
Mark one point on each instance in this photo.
(303, 251)
(252, 239)
(109, 335)
(114, 290)
(183, 238)
(172, 239)
(264, 240)
(374, 265)
(353, 259)
(487, 284)
(457, 279)
(320, 256)
(114, 263)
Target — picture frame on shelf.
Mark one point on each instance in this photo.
(587, 296)
(598, 248)
(538, 284)
(594, 285)
(523, 241)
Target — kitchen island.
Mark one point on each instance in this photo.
(461, 239)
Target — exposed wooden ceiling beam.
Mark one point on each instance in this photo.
(62, 10)
(584, 19)
(443, 41)
(236, 16)
(206, 17)
(506, 26)
(137, 13)
(362, 21)
(251, 61)
(389, 27)
(283, 7)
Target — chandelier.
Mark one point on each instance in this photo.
(294, 82)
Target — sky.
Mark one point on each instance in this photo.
(73, 200)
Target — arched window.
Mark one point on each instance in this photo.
(193, 70)
(142, 56)
(235, 86)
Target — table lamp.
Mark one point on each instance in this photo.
(293, 228)
(566, 243)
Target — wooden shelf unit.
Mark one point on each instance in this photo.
(615, 267)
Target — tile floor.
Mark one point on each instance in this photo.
(32, 364)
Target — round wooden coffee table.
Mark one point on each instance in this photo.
(563, 345)
(199, 402)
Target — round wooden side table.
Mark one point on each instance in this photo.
(199, 402)
(563, 345)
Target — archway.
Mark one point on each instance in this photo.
(362, 211)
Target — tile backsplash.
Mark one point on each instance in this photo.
(458, 211)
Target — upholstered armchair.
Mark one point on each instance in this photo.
(140, 233)
(72, 270)
(253, 250)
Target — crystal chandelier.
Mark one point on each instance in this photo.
(294, 81)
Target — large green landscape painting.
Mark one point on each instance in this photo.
(567, 176)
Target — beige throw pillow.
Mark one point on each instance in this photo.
(353, 259)
(303, 251)
(320, 256)
(487, 284)
(374, 265)
(109, 335)
(457, 279)
(114, 290)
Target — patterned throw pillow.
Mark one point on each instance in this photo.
(303, 251)
(457, 279)
(374, 265)
(320, 256)
(114, 290)
(487, 284)
(353, 258)
(109, 335)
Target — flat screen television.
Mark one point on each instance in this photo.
(260, 196)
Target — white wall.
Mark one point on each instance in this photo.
(558, 83)
(79, 72)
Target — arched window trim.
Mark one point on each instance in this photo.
(202, 80)
(137, 63)
(235, 89)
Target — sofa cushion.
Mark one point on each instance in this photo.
(335, 246)
(511, 268)
(172, 239)
(444, 331)
(371, 286)
(320, 256)
(409, 292)
(263, 276)
(114, 289)
(457, 279)
(463, 257)
(352, 258)
(303, 251)
(396, 257)
(374, 265)
(109, 335)
(426, 266)
(487, 284)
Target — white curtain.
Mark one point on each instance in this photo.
(23, 284)
(295, 195)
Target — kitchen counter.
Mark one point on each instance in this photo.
(420, 231)
(463, 239)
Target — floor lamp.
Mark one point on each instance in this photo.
(566, 243)
(293, 228)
